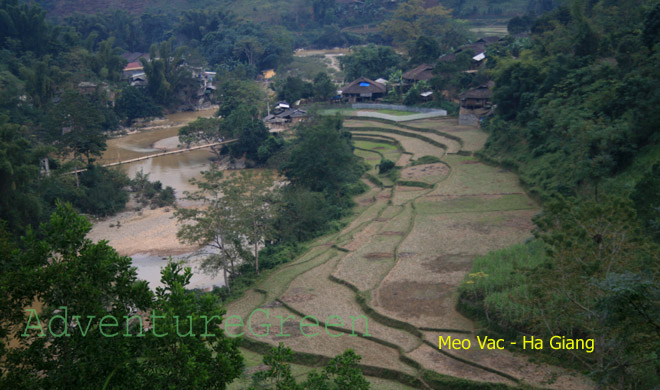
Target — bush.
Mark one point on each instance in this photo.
(102, 191)
(426, 160)
(385, 166)
(151, 193)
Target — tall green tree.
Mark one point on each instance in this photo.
(214, 225)
(371, 62)
(84, 333)
(192, 353)
(323, 160)
(133, 103)
(323, 86)
(412, 20)
(167, 77)
(66, 270)
(204, 131)
(77, 123)
(245, 124)
(253, 202)
(233, 93)
(341, 373)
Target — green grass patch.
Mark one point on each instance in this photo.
(308, 67)
(392, 112)
(426, 160)
(469, 203)
(499, 282)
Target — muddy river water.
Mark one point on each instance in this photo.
(172, 170)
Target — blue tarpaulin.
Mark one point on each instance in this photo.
(364, 84)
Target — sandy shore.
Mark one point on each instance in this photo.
(153, 232)
(168, 144)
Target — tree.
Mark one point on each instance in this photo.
(20, 204)
(597, 282)
(215, 225)
(323, 160)
(239, 211)
(245, 124)
(370, 61)
(191, 354)
(294, 89)
(323, 87)
(75, 285)
(425, 50)
(107, 62)
(232, 93)
(651, 31)
(520, 24)
(133, 103)
(321, 8)
(65, 269)
(167, 77)
(411, 20)
(249, 49)
(252, 201)
(203, 131)
(80, 123)
(646, 196)
(341, 373)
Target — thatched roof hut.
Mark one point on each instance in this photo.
(363, 89)
(420, 73)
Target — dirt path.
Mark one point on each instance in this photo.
(331, 54)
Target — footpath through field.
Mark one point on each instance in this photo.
(399, 262)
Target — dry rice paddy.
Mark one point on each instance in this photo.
(399, 260)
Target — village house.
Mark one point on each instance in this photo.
(478, 50)
(134, 65)
(476, 104)
(283, 116)
(423, 72)
(363, 89)
(89, 88)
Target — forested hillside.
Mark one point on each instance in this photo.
(577, 118)
(296, 13)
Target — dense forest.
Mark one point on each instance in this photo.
(576, 118)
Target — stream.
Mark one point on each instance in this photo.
(172, 170)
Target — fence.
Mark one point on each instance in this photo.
(397, 107)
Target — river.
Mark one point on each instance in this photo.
(148, 235)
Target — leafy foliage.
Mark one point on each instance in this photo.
(341, 373)
(371, 62)
(133, 103)
(412, 20)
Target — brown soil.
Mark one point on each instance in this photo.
(407, 188)
(392, 233)
(297, 295)
(424, 170)
(414, 300)
(404, 255)
(367, 200)
(291, 329)
(378, 255)
(403, 160)
(449, 263)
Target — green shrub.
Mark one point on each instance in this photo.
(385, 166)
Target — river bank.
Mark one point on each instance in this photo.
(149, 235)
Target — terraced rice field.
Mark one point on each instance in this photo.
(395, 268)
